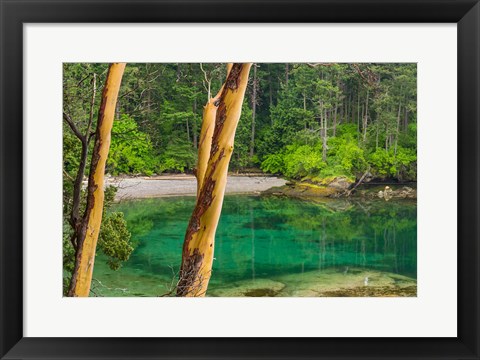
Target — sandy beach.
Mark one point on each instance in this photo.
(185, 185)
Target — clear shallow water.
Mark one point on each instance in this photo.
(288, 245)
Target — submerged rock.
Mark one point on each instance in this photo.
(330, 282)
(260, 293)
(249, 288)
(351, 282)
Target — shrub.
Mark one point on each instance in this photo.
(114, 240)
(273, 164)
(305, 160)
(387, 164)
(178, 157)
(131, 151)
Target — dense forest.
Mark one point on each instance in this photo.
(306, 122)
(298, 120)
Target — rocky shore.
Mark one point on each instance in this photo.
(339, 187)
(186, 185)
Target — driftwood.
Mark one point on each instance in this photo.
(348, 192)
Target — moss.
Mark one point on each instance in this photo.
(321, 191)
(326, 180)
(310, 185)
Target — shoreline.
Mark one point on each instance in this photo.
(173, 185)
(130, 188)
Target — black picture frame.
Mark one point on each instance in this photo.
(14, 13)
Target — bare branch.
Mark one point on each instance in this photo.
(129, 92)
(207, 81)
(68, 175)
(367, 75)
(70, 123)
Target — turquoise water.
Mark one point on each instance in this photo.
(270, 243)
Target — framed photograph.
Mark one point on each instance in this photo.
(239, 179)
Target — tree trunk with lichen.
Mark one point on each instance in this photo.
(90, 226)
(220, 119)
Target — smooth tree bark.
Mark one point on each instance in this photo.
(88, 231)
(221, 116)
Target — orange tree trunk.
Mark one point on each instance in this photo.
(206, 134)
(217, 138)
(92, 218)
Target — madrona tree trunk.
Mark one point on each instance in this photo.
(220, 121)
(206, 132)
(90, 227)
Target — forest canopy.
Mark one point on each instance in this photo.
(300, 121)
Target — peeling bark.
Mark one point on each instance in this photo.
(220, 121)
(206, 134)
(90, 226)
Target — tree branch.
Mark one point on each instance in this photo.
(208, 82)
(70, 123)
(370, 78)
(68, 176)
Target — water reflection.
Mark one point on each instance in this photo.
(270, 238)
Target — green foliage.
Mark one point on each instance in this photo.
(68, 256)
(160, 113)
(131, 151)
(303, 160)
(71, 150)
(345, 153)
(274, 164)
(178, 156)
(383, 163)
(288, 119)
(114, 240)
(387, 164)
(336, 96)
(241, 152)
(406, 164)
